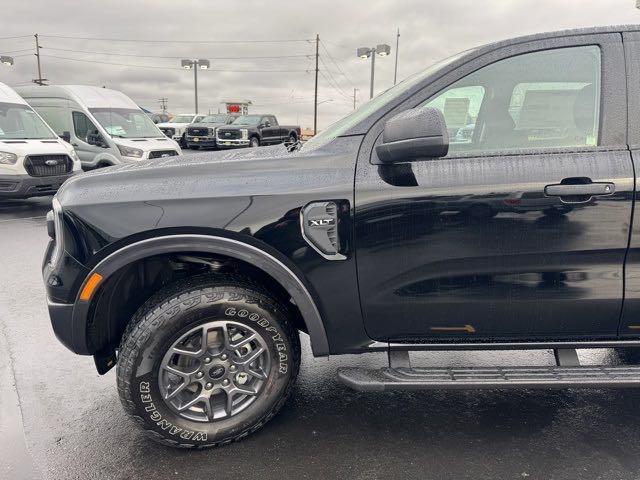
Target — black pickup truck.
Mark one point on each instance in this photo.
(256, 130)
(202, 134)
(484, 203)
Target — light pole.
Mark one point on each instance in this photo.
(365, 52)
(195, 63)
(6, 60)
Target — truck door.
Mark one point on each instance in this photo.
(85, 137)
(270, 130)
(630, 320)
(522, 229)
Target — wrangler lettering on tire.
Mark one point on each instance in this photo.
(207, 360)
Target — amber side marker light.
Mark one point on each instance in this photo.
(90, 286)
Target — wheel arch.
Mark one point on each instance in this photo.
(278, 269)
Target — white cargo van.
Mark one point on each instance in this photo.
(33, 160)
(104, 126)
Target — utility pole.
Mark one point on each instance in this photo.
(39, 80)
(395, 71)
(315, 95)
(195, 82)
(163, 104)
(354, 98)
(373, 70)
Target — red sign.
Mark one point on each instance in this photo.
(233, 108)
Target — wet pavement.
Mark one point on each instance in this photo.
(64, 421)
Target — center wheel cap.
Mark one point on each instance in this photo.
(217, 372)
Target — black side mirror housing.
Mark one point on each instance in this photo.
(66, 136)
(415, 134)
(94, 138)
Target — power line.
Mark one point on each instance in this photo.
(336, 64)
(175, 41)
(17, 51)
(333, 82)
(332, 85)
(16, 36)
(171, 68)
(115, 54)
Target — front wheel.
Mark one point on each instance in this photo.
(254, 142)
(208, 361)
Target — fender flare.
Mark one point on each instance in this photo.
(221, 246)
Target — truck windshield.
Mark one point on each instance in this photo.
(378, 102)
(182, 119)
(249, 120)
(214, 119)
(18, 121)
(126, 122)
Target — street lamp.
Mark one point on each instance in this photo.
(195, 63)
(365, 52)
(6, 60)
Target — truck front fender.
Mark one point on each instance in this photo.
(217, 245)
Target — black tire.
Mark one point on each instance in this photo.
(180, 307)
(254, 142)
(183, 141)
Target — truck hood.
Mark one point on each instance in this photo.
(147, 144)
(21, 148)
(207, 125)
(194, 176)
(171, 125)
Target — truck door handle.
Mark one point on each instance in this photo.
(579, 192)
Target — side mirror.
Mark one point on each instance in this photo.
(66, 136)
(94, 138)
(267, 124)
(416, 134)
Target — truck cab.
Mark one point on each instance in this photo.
(486, 202)
(34, 161)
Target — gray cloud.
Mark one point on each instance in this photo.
(430, 30)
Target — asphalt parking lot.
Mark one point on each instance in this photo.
(60, 420)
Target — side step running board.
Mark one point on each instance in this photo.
(567, 374)
(489, 378)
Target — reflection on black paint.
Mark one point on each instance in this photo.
(559, 283)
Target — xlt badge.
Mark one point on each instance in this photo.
(322, 222)
(319, 223)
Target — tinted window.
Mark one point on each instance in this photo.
(83, 127)
(544, 99)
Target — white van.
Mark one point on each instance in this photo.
(33, 160)
(104, 126)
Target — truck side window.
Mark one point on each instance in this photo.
(545, 99)
(83, 127)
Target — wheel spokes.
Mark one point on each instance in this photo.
(214, 370)
(251, 356)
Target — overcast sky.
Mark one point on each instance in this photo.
(430, 30)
